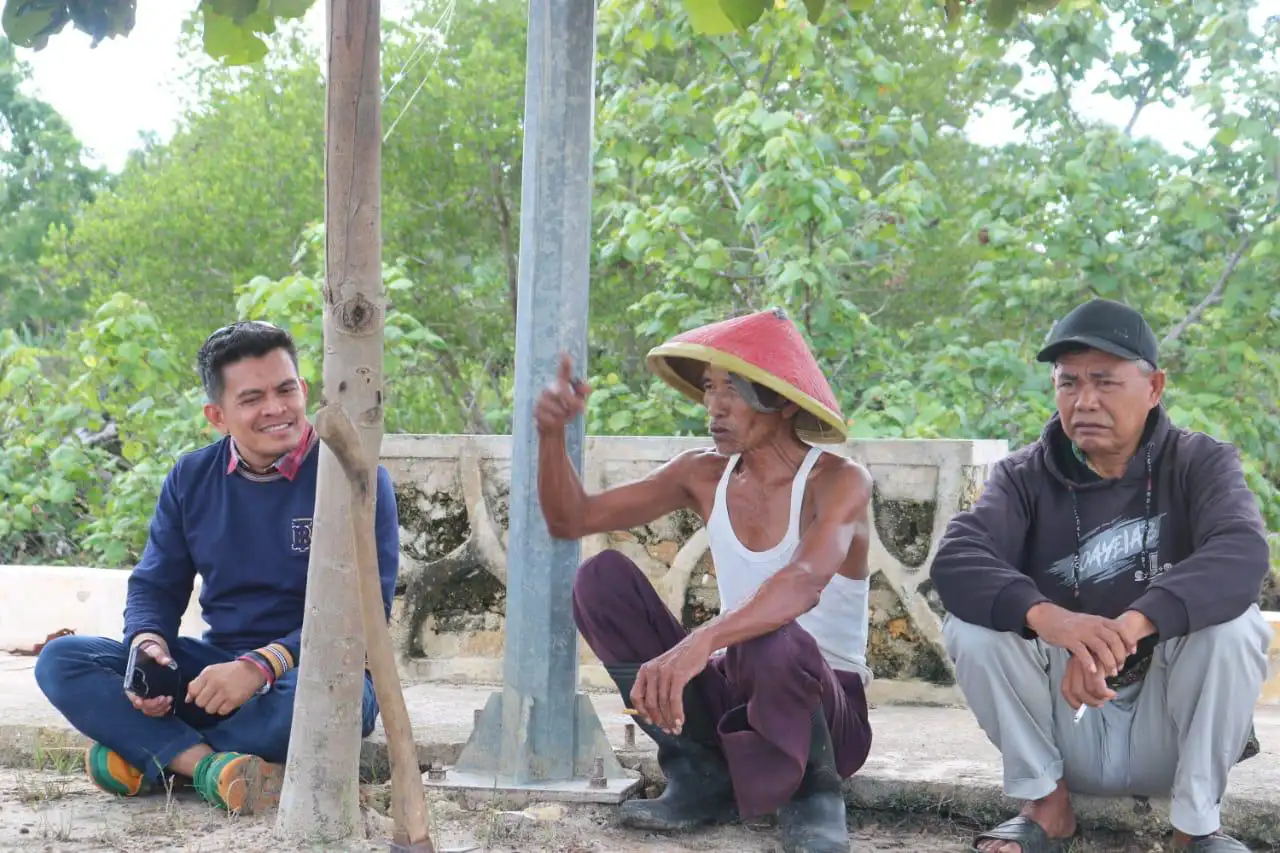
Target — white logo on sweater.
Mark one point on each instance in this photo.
(300, 535)
(1112, 551)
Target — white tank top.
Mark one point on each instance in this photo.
(838, 622)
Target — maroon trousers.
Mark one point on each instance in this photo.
(759, 695)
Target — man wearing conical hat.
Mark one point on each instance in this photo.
(762, 708)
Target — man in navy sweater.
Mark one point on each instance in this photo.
(238, 514)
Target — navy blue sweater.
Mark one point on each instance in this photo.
(250, 542)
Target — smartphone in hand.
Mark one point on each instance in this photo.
(148, 679)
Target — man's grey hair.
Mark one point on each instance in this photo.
(757, 396)
(1145, 367)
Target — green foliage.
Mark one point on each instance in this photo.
(90, 431)
(720, 17)
(43, 184)
(232, 29)
(295, 302)
(30, 23)
(822, 168)
(223, 202)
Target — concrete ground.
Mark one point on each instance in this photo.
(932, 776)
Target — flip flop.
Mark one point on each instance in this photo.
(1217, 843)
(1031, 836)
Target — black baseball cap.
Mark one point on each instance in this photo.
(1102, 325)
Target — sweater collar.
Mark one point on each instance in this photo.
(285, 467)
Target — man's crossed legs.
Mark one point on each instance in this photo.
(769, 726)
(233, 761)
(1178, 732)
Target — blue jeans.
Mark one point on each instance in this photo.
(84, 679)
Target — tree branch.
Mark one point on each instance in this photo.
(742, 80)
(1139, 105)
(1214, 296)
(737, 206)
(407, 793)
(768, 72)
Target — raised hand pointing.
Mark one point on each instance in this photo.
(564, 398)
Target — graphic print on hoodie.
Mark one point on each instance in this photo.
(1118, 545)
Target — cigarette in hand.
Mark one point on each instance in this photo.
(1080, 713)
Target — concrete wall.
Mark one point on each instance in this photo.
(449, 617)
(450, 487)
(36, 601)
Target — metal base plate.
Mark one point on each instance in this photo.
(569, 791)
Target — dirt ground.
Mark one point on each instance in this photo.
(51, 812)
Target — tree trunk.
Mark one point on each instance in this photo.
(321, 789)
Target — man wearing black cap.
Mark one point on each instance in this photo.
(1102, 599)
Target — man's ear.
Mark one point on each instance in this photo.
(1157, 387)
(213, 414)
(790, 410)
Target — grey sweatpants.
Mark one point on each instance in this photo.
(1176, 733)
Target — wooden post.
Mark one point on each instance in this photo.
(320, 801)
(408, 797)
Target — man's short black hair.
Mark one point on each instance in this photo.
(241, 340)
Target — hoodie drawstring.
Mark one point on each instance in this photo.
(1147, 560)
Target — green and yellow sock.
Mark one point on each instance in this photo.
(113, 774)
(240, 784)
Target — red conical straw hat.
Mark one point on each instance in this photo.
(764, 347)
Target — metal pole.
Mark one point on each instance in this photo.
(539, 731)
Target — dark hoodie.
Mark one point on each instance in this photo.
(1041, 509)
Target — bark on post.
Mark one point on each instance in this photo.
(408, 798)
(320, 801)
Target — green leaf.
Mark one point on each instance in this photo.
(743, 13)
(814, 8)
(133, 450)
(30, 24)
(619, 420)
(861, 5)
(61, 491)
(707, 18)
(918, 134)
(638, 242)
(1000, 13)
(773, 122)
(234, 44)
(290, 8)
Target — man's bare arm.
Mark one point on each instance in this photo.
(569, 511)
(796, 588)
(572, 513)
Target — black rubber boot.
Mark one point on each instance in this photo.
(699, 790)
(813, 821)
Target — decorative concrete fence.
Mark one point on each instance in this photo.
(448, 618)
(453, 493)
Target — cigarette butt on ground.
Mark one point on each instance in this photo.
(631, 711)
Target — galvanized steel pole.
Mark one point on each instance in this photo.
(539, 730)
